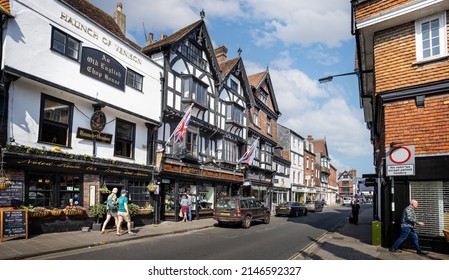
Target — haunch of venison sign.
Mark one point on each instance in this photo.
(103, 67)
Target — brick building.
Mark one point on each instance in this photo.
(403, 67)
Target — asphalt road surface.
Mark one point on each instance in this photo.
(282, 239)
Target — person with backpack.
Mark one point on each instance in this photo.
(111, 209)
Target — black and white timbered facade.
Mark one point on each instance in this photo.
(204, 163)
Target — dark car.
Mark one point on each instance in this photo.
(240, 210)
(291, 208)
(314, 206)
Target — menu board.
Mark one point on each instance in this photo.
(13, 223)
(12, 196)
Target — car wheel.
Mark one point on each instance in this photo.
(267, 218)
(246, 222)
(306, 212)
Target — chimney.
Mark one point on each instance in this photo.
(221, 52)
(120, 18)
(150, 39)
(163, 36)
(309, 138)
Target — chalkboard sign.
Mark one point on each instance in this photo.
(12, 196)
(13, 223)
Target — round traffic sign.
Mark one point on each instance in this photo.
(400, 155)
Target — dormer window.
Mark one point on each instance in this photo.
(194, 91)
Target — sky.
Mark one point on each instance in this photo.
(299, 41)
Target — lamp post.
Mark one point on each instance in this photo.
(330, 78)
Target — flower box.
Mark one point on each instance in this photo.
(38, 214)
(144, 212)
(56, 212)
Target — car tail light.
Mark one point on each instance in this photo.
(238, 213)
(289, 208)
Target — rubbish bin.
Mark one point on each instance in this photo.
(376, 233)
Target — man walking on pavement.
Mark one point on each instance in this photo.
(408, 223)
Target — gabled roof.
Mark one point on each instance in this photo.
(100, 17)
(227, 67)
(320, 146)
(169, 40)
(257, 80)
(5, 8)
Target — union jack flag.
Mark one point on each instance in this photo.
(248, 157)
(182, 127)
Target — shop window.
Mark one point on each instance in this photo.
(124, 139)
(53, 190)
(55, 121)
(65, 44)
(138, 193)
(134, 80)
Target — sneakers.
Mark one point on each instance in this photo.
(103, 232)
(131, 233)
(422, 253)
(118, 234)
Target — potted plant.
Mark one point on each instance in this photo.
(146, 210)
(133, 209)
(98, 211)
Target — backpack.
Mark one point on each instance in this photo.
(112, 205)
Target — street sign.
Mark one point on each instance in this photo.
(400, 161)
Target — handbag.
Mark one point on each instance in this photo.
(180, 213)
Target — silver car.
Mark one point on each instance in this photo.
(314, 206)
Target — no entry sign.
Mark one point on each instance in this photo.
(400, 161)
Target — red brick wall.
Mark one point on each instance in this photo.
(394, 55)
(427, 128)
(374, 7)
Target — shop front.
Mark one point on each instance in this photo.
(204, 184)
(58, 189)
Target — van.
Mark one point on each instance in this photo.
(240, 210)
(347, 200)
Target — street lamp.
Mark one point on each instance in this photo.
(329, 78)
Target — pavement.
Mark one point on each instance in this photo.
(344, 242)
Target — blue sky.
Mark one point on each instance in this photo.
(299, 41)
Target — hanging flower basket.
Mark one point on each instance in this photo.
(152, 187)
(104, 190)
(4, 183)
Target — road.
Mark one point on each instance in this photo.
(282, 239)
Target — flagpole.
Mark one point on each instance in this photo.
(173, 133)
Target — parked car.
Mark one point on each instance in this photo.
(240, 210)
(291, 208)
(347, 200)
(314, 206)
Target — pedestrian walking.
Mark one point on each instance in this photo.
(123, 213)
(355, 212)
(111, 210)
(184, 207)
(408, 223)
(189, 214)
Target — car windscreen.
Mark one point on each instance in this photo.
(287, 203)
(226, 203)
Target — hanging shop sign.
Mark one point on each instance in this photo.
(12, 196)
(86, 134)
(102, 67)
